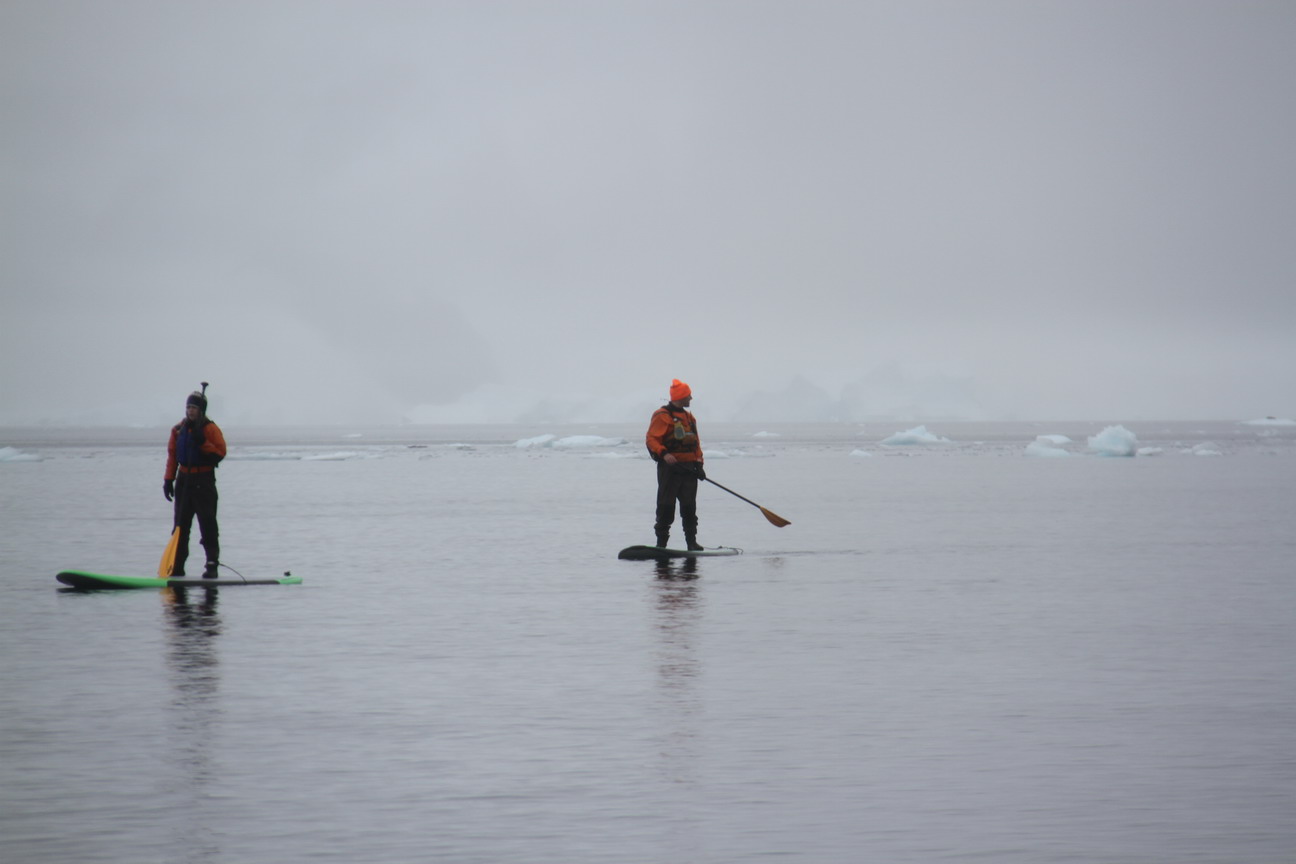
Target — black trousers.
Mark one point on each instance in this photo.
(676, 484)
(195, 495)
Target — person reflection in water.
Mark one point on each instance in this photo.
(192, 626)
(678, 708)
(192, 655)
(683, 570)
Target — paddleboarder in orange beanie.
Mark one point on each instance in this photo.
(674, 445)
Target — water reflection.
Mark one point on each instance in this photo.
(194, 670)
(677, 620)
(677, 616)
(191, 654)
(684, 568)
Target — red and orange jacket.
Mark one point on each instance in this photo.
(186, 458)
(674, 430)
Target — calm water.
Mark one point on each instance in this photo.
(954, 653)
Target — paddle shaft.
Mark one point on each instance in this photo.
(733, 493)
(773, 518)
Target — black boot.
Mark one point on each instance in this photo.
(209, 572)
(693, 545)
(661, 539)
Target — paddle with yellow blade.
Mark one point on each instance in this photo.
(168, 555)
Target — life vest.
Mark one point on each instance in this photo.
(200, 450)
(674, 431)
(189, 445)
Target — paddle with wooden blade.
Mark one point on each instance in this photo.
(774, 519)
(167, 565)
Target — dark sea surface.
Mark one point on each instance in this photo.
(955, 652)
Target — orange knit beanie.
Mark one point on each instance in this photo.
(679, 390)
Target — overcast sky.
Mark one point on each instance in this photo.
(338, 211)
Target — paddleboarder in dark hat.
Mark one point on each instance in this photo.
(195, 449)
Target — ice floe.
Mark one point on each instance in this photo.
(917, 436)
(1047, 446)
(1114, 441)
(571, 442)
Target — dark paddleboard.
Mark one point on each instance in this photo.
(91, 581)
(650, 553)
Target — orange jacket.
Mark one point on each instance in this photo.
(210, 452)
(674, 430)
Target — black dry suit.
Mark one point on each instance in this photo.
(673, 430)
(194, 451)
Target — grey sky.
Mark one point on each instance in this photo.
(346, 211)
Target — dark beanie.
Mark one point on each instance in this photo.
(196, 398)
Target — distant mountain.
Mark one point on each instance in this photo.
(891, 393)
(800, 400)
(884, 393)
(887, 393)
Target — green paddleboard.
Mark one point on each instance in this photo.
(92, 581)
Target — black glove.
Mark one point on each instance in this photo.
(701, 472)
(168, 489)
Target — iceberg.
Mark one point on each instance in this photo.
(571, 442)
(1046, 446)
(915, 436)
(13, 454)
(338, 456)
(1114, 441)
(576, 442)
(537, 441)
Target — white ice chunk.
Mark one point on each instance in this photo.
(1043, 447)
(574, 442)
(915, 436)
(537, 441)
(1114, 441)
